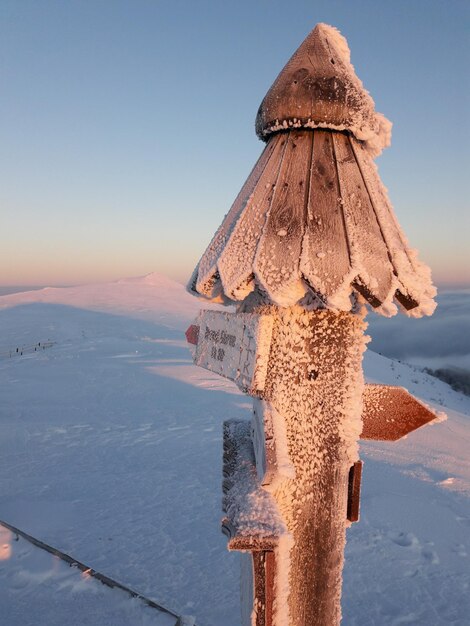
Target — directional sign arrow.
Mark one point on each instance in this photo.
(389, 413)
(192, 334)
(237, 347)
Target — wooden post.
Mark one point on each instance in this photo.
(257, 588)
(310, 238)
(291, 476)
(314, 380)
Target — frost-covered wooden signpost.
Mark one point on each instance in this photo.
(310, 240)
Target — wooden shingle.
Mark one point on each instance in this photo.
(313, 223)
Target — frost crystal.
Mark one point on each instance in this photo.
(315, 188)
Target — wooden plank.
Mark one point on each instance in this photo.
(246, 588)
(257, 584)
(354, 491)
(270, 568)
(235, 263)
(277, 259)
(270, 444)
(325, 252)
(390, 413)
(394, 237)
(368, 249)
(263, 442)
(236, 346)
(252, 521)
(259, 576)
(205, 277)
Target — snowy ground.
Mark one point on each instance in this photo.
(110, 450)
(39, 588)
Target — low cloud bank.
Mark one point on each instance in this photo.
(440, 340)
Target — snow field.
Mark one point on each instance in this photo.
(111, 450)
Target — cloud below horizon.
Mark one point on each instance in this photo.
(439, 340)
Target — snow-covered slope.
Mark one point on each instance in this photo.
(111, 446)
(153, 297)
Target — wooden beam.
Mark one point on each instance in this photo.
(354, 491)
(252, 521)
(276, 265)
(325, 260)
(235, 263)
(205, 279)
(370, 256)
(270, 568)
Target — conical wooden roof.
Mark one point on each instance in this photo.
(313, 223)
(318, 88)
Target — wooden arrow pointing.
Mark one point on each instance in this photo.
(192, 334)
(389, 413)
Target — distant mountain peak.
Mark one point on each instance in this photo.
(153, 278)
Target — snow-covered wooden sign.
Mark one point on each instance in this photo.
(390, 413)
(235, 346)
(311, 235)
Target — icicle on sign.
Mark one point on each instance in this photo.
(235, 346)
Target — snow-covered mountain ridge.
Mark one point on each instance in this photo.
(111, 446)
(153, 297)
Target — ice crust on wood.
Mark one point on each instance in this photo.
(252, 520)
(318, 88)
(391, 413)
(313, 223)
(314, 384)
(322, 352)
(204, 279)
(269, 437)
(235, 346)
(317, 229)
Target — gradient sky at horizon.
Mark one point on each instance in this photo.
(127, 127)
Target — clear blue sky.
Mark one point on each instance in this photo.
(127, 127)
